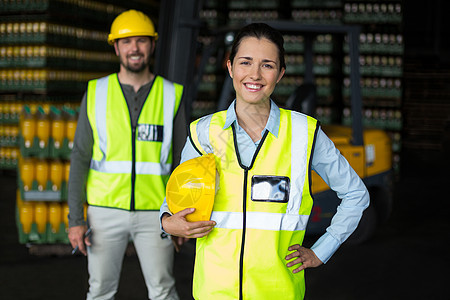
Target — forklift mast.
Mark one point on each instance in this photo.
(176, 49)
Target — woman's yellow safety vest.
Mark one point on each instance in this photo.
(130, 166)
(260, 211)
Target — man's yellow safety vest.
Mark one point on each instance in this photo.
(260, 211)
(130, 166)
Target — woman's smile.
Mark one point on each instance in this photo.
(253, 87)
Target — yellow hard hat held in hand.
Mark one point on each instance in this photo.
(131, 23)
(193, 184)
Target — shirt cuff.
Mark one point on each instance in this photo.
(163, 210)
(325, 247)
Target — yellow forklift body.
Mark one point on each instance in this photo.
(371, 159)
(378, 150)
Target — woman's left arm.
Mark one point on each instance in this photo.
(334, 169)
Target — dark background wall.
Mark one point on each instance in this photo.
(426, 98)
(426, 30)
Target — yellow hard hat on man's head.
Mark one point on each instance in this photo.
(193, 184)
(131, 23)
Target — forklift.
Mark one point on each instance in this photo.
(368, 150)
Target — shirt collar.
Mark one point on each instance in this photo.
(273, 123)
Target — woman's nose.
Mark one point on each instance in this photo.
(255, 72)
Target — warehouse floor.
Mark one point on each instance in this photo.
(407, 258)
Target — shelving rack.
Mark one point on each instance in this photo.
(381, 61)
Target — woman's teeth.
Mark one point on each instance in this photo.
(253, 86)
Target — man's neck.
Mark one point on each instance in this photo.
(136, 80)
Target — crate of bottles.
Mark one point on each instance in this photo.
(324, 16)
(43, 179)
(9, 157)
(315, 3)
(45, 80)
(288, 85)
(26, 5)
(9, 134)
(376, 65)
(42, 222)
(376, 87)
(294, 43)
(47, 132)
(378, 42)
(382, 118)
(43, 32)
(45, 56)
(10, 112)
(373, 12)
(324, 43)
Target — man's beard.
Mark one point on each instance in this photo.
(137, 69)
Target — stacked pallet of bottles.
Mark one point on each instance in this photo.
(381, 66)
(49, 49)
(45, 142)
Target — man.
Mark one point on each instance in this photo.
(128, 125)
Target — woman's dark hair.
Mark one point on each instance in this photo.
(259, 31)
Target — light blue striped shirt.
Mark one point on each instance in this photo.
(327, 162)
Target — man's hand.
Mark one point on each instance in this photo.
(305, 256)
(177, 225)
(77, 238)
(178, 242)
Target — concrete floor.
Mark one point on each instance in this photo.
(407, 258)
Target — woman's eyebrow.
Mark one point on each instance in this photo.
(269, 60)
(246, 57)
(251, 58)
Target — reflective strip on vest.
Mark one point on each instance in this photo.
(101, 95)
(260, 220)
(169, 104)
(300, 128)
(118, 167)
(149, 168)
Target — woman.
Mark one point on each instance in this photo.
(251, 248)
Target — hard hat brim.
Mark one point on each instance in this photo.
(113, 37)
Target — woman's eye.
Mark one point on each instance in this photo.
(245, 63)
(268, 66)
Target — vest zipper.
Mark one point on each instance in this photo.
(244, 204)
(244, 223)
(133, 166)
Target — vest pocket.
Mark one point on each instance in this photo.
(269, 188)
